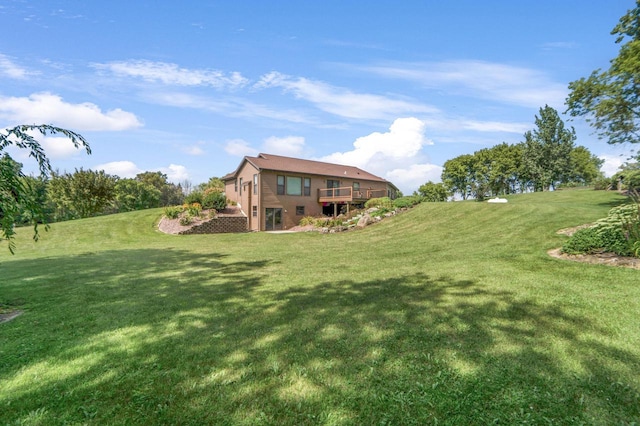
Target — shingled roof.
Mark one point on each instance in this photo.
(297, 165)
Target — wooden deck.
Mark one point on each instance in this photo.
(348, 195)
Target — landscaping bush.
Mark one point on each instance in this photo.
(618, 233)
(307, 220)
(186, 220)
(585, 240)
(406, 202)
(213, 199)
(604, 184)
(194, 197)
(615, 241)
(173, 212)
(194, 209)
(383, 202)
(381, 212)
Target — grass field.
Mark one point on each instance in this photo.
(451, 313)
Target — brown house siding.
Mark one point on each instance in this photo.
(288, 203)
(244, 195)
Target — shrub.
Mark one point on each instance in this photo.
(213, 199)
(194, 209)
(194, 197)
(383, 202)
(618, 233)
(598, 240)
(406, 202)
(585, 240)
(604, 184)
(307, 220)
(186, 220)
(380, 212)
(173, 212)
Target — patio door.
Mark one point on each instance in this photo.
(273, 219)
(333, 185)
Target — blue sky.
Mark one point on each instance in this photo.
(394, 87)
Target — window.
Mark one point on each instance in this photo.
(255, 211)
(280, 185)
(240, 186)
(332, 186)
(300, 210)
(236, 185)
(255, 184)
(294, 185)
(356, 190)
(307, 187)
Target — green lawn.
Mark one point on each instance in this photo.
(451, 313)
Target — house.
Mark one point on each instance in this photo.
(275, 192)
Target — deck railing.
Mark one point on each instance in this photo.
(348, 194)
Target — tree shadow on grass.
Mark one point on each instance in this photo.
(619, 200)
(189, 339)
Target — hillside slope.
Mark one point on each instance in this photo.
(450, 313)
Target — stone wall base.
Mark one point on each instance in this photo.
(219, 225)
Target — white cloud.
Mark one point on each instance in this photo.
(235, 107)
(195, 149)
(175, 173)
(481, 79)
(172, 74)
(560, 45)
(123, 169)
(415, 175)
(48, 108)
(239, 148)
(340, 101)
(404, 139)
(395, 155)
(9, 69)
(128, 169)
(612, 164)
(291, 146)
(495, 126)
(58, 147)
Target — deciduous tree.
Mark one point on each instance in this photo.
(170, 194)
(433, 192)
(457, 175)
(84, 193)
(585, 167)
(610, 100)
(132, 194)
(16, 194)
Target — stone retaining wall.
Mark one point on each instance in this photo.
(219, 225)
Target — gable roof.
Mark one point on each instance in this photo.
(296, 165)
